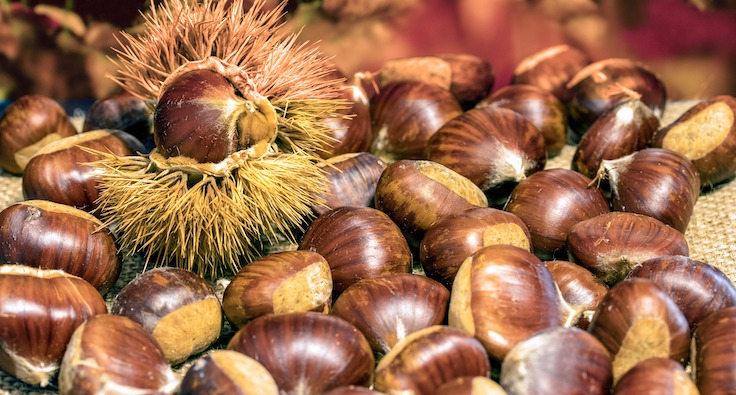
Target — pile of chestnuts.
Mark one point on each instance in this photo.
(445, 258)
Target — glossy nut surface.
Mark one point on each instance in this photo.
(713, 357)
(351, 181)
(226, 372)
(578, 287)
(551, 68)
(656, 375)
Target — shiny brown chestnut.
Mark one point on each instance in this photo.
(389, 308)
(478, 385)
(637, 320)
(490, 146)
(656, 376)
(611, 244)
(357, 242)
(112, 354)
(540, 107)
(125, 112)
(417, 193)
(278, 283)
(455, 237)
(352, 390)
(713, 358)
(306, 352)
(624, 129)
(578, 287)
(550, 202)
(570, 360)
(426, 359)
(705, 134)
(50, 235)
(28, 124)
(405, 114)
(601, 85)
(350, 132)
(59, 172)
(699, 289)
(502, 295)
(656, 182)
(551, 69)
(226, 372)
(351, 181)
(39, 311)
(177, 307)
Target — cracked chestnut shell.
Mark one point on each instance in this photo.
(705, 134)
(699, 289)
(226, 372)
(637, 320)
(611, 244)
(281, 282)
(656, 376)
(502, 295)
(489, 146)
(39, 311)
(357, 242)
(656, 182)
(426, 359)
(59, 172)
(570, 360)
(112, 354)
(351, 181)
(50, 235)
(177, 307)
(713, 358)
(389, 308)
(551, 69)
(306, 352)
(550, 203)
(28, 124)
(455, 237)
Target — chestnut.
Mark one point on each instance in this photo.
(611, 244)
(50, 235)
(59, 171)
(624, 129)
(122, 111)
(699, 289)
(39, 311)
(477, 385)
(357, 242)
(177, 307)
(351, 181)
(570, 360)
(350, 130)
(656, 375)
(705, 134)
(601, 85)
(455, 237)
(278, 283)
(352, 390)
(132, 363)
(550, 202)
(405, 114)
(28, 124)
(656, 182)
(428, 358)
(417, 193)
(502, 295)
(713, 358)
(551, 69)
(389, 308)
(306, 352)
(540, 107)
(637, 320)
(578, 287)
(489, 146)
(226, 372)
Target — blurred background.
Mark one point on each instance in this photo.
(62, 48)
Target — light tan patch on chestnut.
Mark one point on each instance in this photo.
(428, 69)
(53, 207)
(454, 181)
(310, 289)
(189, 329)
(701, 134)
(508, 233)
(484, 385)
(647, 338)
(460, 315)
(24, 155)
(245, 371)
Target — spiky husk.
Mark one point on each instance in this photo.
(173, 211)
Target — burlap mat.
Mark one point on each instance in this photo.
(711, 236)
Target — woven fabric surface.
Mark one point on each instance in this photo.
(711, 236)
